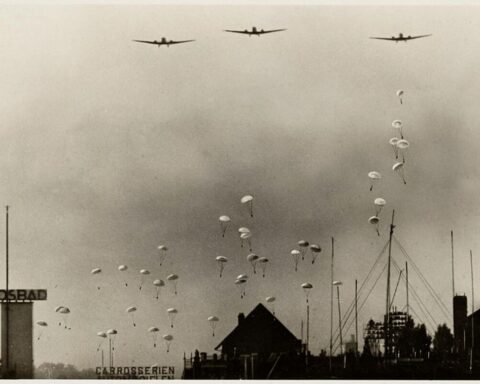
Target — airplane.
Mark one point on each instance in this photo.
(163, 41)
(400, 37)
(254, 31)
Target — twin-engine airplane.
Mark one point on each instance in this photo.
(255, 31)
(163, 41)
(400, 37)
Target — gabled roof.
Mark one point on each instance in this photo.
(251, 320)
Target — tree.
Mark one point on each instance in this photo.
(443, 341)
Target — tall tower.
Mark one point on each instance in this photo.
(459, 322)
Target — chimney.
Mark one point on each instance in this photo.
(241, 318)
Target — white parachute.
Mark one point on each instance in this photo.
(131, 311)
(400, 95)
(379, 204)
(296, 254)
(374, 220)
(241, 283)
(123, 268)
(143, 275)
(224, 222)
(173, 279)
(248, 200)
(252, 258)
(374, 176)
(168, 340)
(271, 300)
(103, 335)
(162, 253)
(213, 320)
(402, 146)
(172, 312)
(315, 249)
(221, 261)
(307, 287)
(263, 261)
(158, 283)
(399, 169)
(393, 142)
(303, 244)
(41, 324)
(154, 331)
(96, 271)
(398, 125)
(245, 238)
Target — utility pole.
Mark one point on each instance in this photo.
(387, 309)
(331, 306)
(308, 334)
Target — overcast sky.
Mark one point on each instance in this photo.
(110, 148)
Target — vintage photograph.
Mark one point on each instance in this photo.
(240, 191)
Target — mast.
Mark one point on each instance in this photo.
(7, 360)
(453, 266)
(387, 309)
(406, 279)
(356, 319)
(339, 320)
(331, 305)
(473, 309)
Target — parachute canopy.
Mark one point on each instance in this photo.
(270, 299)
(112, 331)
(131, 309)
(172, 310)
(403, 144)
(213, 319)
(307, 286)
(246, 199)
(162, 248)
(242, 277)
(397, 124)
(144, 271)
(64, 310)
(158, 283)
(315, 248)
(102, 334)
(379, 201)
(374, 175)
(245, 236)
(167, 337)
(42, 323)
(243, 230)
(336, 282)
(374, 220)
(252, 257)
(224, 219)
(221, 259)
(95, 271)
(172, 277)
(153, 329)
(303, 243)
(397, 166)
(122, 267)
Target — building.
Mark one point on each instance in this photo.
(459, 322)
(259, 347)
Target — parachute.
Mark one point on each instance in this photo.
(397, 124)
(123, 268)
(173, 280)
(303, 244)
(168, 340)
(241, 283)
(337, 283)
(143, 274)
(263, 261)
(245, 237)
(393, 142)
(271, 300)
(158, 285)
(41, 324)
(224, 222)
(162, 253)
(400, 94)
(64, 311)
(306, 289)
(243, 230)
(172, 312)
(374, 220)
(296, 257)
(131, 310)
(213, 320)
(154, 331)
(402, 146)
(398, 168)
(374, 176)
(252, 258)
(379, 204)
(112, 333)
(315, 251)
(248, 199)
(221, 260)
(103, 335)
(96, 271)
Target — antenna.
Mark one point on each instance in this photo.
(356, 320)
(331, 305)
(387, 314)
(473, 310)
(406, 279)
(7, 360)
(453, 267)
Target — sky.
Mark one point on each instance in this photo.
(111, 148)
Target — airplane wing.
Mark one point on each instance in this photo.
(179, 42)
(147, 42)
(383, 38)
(272, 30)
(244, 32)
(418, 37)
